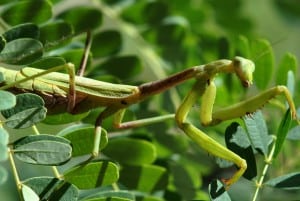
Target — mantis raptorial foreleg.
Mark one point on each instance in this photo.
(205, 88)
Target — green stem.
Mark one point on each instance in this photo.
(15, 172)
(264, 172)
(115, 187)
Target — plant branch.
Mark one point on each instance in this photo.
(268, 161)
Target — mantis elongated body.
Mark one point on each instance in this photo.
(75, 94)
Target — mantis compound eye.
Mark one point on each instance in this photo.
(244, 69)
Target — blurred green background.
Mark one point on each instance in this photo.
(276, 20)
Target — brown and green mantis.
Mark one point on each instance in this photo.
(76, 94)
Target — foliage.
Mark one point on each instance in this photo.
(134, 42)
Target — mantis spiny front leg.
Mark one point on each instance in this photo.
(205, 88)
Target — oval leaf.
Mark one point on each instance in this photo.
(120, 195)
(262, 54)
(3, 144)
(27, 30)
(27, 11)
(28, 194)
(282, 132)
(146, 178)
(78, 16)
(237, 141)
(294, 133)
(21, 51)
(242, 47)
(258, 132)
(3, 175)
(82, 138)
(64, 118)
(7, 100)
(48, 62)
(217, 191)
(26, 118)
(122, 67)
(43, 150)
(27, 111)
(287, 63)
(131, 151)
(289, 182)
(36, 138)
(55, 33)
(74, 56)
(106, 43)
(93, 175)
(23, 102)
(49, 188)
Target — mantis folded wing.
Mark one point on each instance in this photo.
(77, 94)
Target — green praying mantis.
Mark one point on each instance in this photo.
(77, 94)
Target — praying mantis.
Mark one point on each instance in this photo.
(77, 94)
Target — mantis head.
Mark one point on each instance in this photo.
(244, 69)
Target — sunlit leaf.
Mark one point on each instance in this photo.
(82, 138)
(130, 151)
(93, 174)
(146, 178)
(28, 194)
